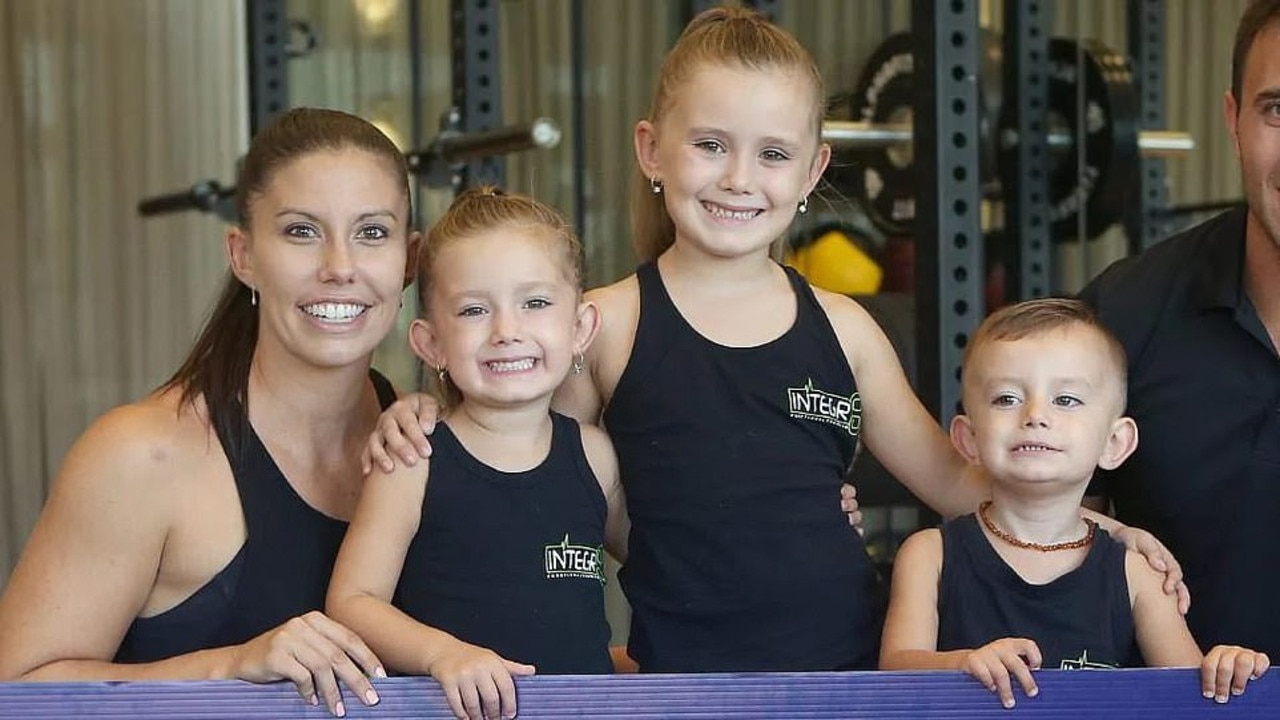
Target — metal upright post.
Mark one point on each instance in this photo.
(769, 8)
(1146, 36)
(268, 35)
(1025, 139)
(578, 34)
(477, 92)
(949, 275)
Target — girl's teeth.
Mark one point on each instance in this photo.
(511, 365)
(726, 214)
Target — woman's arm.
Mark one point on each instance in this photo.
(92, 562)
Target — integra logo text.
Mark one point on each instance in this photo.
(563, 560)
(809, 403)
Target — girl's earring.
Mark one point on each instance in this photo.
(440, 373)
(253, 296)
(578, 361)
(803, 207)
(655, 185)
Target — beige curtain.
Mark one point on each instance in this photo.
(104, 103)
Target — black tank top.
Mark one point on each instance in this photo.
(282, 570)
(740, 557)
(513, 562)
(1080, 620)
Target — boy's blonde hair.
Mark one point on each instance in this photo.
(1042, 315)
(726, 37)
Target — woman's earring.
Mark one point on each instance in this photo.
(655, 185)
(578, 361)
(803, 207)
(253, 296)
(440, 373)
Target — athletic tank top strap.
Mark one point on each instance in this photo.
(383, 388)
(281, 571)
(821, 328)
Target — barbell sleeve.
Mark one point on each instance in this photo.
(855, 135)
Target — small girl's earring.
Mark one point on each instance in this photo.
(253, 296)
(578, 361)
(440, 373)
(803, 207)
(655, 185)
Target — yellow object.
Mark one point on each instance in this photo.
(834, 262)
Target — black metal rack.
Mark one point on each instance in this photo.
(477, 87)
(1027, 206)
(1146, 37)
(268, 31)
(949, 253)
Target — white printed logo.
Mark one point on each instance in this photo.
(563, 560)
(809, 403)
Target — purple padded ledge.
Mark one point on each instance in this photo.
(1079, 695)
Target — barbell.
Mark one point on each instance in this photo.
(1094, 180)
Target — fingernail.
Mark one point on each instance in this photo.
(1008, 703)
(340, 710)
(1236, 691)
(1033, 692)
(314, 700)
(379, 672)
(370, 697)
(1208, 694)
(1220, 699)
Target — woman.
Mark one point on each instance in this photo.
(191, 535)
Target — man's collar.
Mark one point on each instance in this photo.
(1216, 283)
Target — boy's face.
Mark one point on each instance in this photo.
(1044, 409)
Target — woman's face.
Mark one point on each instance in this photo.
(326, 251)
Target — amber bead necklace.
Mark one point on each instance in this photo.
(1092, 528)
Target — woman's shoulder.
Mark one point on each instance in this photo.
(155, 434)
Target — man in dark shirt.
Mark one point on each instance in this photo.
(1199, 316)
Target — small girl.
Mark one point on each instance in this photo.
(487, 561)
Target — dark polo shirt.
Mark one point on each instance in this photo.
(1204, 388)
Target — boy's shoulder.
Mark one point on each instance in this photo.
(1139, 574)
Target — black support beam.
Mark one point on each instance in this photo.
(949, 267)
